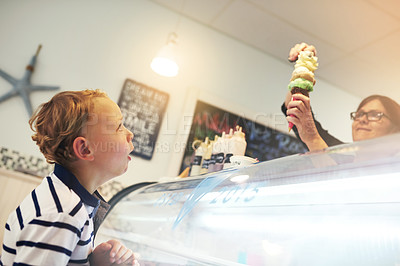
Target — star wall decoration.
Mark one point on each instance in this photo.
(23, 87)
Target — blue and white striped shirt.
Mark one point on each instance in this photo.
(53, 225)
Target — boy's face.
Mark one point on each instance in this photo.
(108, 139)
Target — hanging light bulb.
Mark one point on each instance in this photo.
(164, 63)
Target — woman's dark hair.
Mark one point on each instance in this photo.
(391, 106)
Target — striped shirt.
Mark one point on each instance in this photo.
(53, 225)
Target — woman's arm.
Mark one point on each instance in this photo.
(299, 113)
(315, 137)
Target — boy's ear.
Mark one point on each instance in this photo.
(82, 150)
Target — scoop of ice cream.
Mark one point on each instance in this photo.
(301, 70)
(301, 83)
(308, 60)
(308, 76)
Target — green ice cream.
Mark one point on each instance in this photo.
(301, 83)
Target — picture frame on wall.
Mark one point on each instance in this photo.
(143, 108)
(263, 142)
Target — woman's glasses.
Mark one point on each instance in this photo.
(371, 116)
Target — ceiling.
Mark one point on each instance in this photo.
(357, 41)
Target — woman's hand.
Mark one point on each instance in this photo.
(295, 51)
(112, 252)
(299, 113)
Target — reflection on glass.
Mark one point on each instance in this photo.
(298, 210)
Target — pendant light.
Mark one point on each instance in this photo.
(165, 62)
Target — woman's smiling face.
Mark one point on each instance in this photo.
(363, 129)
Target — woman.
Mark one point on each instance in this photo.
(376, 116)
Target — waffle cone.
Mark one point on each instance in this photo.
(295, 90)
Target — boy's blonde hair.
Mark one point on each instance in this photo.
(59, 121)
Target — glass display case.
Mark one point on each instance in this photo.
(340, 206)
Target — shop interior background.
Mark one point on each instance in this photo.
(232, 55)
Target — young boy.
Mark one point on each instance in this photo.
(81, 132)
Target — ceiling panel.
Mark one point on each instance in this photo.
(383, 53)
(357, 77)
(392, 7)
(203, 11)
(357, 40)
(243, 21)
(265, 31)
(349, 24)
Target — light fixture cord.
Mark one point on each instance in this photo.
(172, 38)
(178, 23)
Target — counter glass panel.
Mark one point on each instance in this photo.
(340, 206)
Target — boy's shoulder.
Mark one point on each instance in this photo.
(52, 198)
(55, 196)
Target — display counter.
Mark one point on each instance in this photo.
(340, 206)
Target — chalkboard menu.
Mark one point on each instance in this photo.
(263, 142)
(143, 109)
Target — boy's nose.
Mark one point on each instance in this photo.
(130, 135)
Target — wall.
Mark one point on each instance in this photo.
(98, 44)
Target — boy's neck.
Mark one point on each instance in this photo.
(87, 178)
